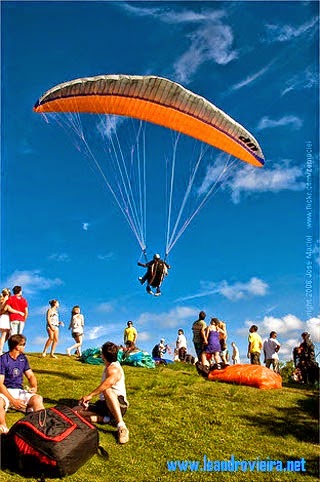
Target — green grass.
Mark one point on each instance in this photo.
(176, 415)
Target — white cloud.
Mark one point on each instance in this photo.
(171, 319)
(250, 79)
(108, 125)
(313, 327)
(237, 291)
(216, 172)
(60, 257)
(285, 33)
(145, 336)
(287, 323)
(287, 346)
(105, 257)
(40, 310)
(167, 15)
(276, 179)
(307, 80)
(32, 281)
(210, 39)
(95, 332)
(105, 307)
(85, 226)
(286, 121)
(289, 329)
(210, 42)
(39, 340)
(233, 292)
(105, 331)
(239, 177)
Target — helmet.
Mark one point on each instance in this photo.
(156, 256)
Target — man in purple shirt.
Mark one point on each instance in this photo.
(13, 365)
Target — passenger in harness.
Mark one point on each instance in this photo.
(157, 269)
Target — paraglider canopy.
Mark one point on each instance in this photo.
(157, 100)
(161, 102)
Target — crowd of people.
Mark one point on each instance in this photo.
(210, 345)
(14, 365)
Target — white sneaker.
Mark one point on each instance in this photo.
(4, 429)
(123, 435)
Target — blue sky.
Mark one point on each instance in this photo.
(250, 256)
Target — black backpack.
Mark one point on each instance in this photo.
(49, 443)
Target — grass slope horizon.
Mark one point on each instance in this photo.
(175, 414)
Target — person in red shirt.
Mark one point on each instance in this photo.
(17, 307)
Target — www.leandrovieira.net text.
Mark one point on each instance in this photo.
(236, 465)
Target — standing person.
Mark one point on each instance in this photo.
(113, 402)
(17, 306)
(181, 345)
(76, 326)
(53, 324)
(212, 342)
(235, 354)
(270, 350)
(4, 318)
(307, 347)
(307, 360)
(13, 365)
(198, 328)
(130, 334)
(254, 346)
(223, 335)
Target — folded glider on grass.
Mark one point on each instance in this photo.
(252, 375)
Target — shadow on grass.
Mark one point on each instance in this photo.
(70, 376)
(300, 421)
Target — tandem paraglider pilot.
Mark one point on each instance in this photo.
(157, 269)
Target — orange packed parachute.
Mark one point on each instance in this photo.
(251, 375)
(110, 103)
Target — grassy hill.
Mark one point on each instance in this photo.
(176, 415)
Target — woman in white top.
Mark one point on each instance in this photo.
(76, 326)
(53, 324)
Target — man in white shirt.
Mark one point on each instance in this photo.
(181, 345)
(112, 391)
(270, 349)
